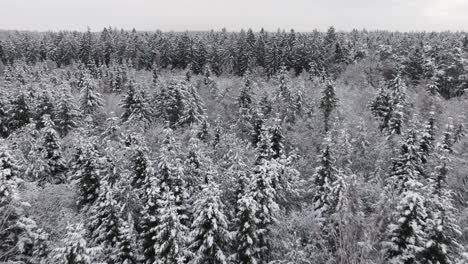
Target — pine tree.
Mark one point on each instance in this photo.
(381, 107)
(194, 108)
(328, 103)
(66, 115)
(397, 89)
(245, 99)
(324, 178)
(277, 140)
(140, 166)
(9, 212)
(104, 219)
(170, 233)
(264, 194)
(19, 112)
(246, 239)
(8, 165)
(89, 176)
(179, 104)
(124, 252)
(448, 138)
(406, 235)
(135, 106)
(414, 67)
(165, 192)
(75, 249)
(389, 103)
(265, 105)
(210, 236)
(54, 171)
(149, 220)
(426, 143)
(3, 119)
(155, 72)
(45, 106)
(407, 167)
(443, 230)
(265, 150)
(90, 99)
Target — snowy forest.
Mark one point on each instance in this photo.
(247, 147)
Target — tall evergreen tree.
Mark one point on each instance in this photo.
(104, 220)
(90, 99)
(324, 178)
(407, 167)
(210, 236)
(328, 103)
(443, 230)
(19, 112)
(246, 239)
(66, 115)
(135, 106)
(75, 249)
(89, 176)
(55, 168)
(140, 166)
(426, 143)
(170, 233)
(406, 235)
(45, 106)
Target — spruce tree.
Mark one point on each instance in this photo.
(66, 115)
(245, 99)
(264, 194)
(426, 143)
(448, 137)
(415, 65)
(170, 234)
(443, 230)
(149, 220)
(165, 192)
(324, 178)
(407, 167)
(140, 166)
(104, 219)
(328, 103)
(194, 108)
(210, 236)
(277, 140)
(381, 107)
(89, 175)
(90, 99)
(389, 104)
(3, 119)
(407, 236)
(19, 112)
(397, 89)
(55, 168)
(75, 249)
(135, 106)
(8, 165)
(124, 251)
(10, 214)
(246, 239)
(45, 106)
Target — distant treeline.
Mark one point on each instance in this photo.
(438, 57)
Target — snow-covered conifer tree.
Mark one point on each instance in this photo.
(210, 235)
(90, 99)
(75, 249)
(328, 103)
(246, 239)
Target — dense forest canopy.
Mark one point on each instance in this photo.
(233, 147)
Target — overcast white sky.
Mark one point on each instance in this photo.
(179, 15)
